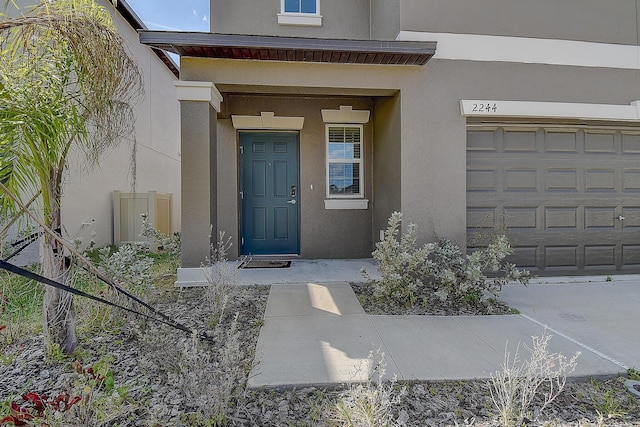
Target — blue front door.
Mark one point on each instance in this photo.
(269, 193)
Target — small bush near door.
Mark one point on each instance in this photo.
(440, 268)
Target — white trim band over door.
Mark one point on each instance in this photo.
(267, 120)
(555, 110)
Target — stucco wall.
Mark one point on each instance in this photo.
(385, 19)
(424, 114)
(386, 161)
(340, 19)
(87, 202)
(323, 233)
(586, 20)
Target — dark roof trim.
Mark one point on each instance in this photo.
(272, 48)
(136, 23)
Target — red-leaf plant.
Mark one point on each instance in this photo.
(3, 306)
(34, 407)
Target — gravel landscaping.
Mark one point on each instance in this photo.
(161, 379)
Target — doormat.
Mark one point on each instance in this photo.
(265, 263)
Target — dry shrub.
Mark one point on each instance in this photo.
(542, 377)
(368, 404)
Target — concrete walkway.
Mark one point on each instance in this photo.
(317, 332)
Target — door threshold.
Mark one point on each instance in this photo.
(271, 257)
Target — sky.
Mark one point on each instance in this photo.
(182, 15)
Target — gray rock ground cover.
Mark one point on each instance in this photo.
(145, 358)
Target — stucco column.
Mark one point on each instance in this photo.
(199, 104)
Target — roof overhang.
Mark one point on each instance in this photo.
(294, 49)
(127, 12)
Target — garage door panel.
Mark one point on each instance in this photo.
(561, 256)
(631, 219)
(481, 217)
(603, 180)
(561, 218)
(520, 141)
(600, 218)
(631, 180)
(482, 179)
(482, 141)
(631, 256)
(560, 194)
(561, 179)
(524, 257)
(558, 142)
(600, 256)
(600, 143)
(520, 179)
(631, 143)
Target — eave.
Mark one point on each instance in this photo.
(136, 23)
(289, 49)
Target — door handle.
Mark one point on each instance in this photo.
(291, 202)
(620, 218)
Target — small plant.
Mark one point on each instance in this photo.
(440, 268)
(3, 307)
(128, 265)
(633, 374)
(35, 407)
(369, 404)
(20, 308)
(211, 380)
(169, 244)
(609, 406)
(542, 376)
(223, 280)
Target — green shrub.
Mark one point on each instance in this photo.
(455, 278)
(129, 265)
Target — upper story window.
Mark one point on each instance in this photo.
(300, 6)
(300, 12)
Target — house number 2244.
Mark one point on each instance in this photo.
(485, 108)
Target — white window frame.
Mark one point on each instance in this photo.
(296, 18)
(360, 161)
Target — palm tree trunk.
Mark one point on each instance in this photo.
(59, 316)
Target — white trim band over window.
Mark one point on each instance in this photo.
(346, 114)
(301, 19)
(555, 110)
(346, 204)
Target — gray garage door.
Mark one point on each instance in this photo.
(568, 196)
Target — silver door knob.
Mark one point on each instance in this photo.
(621, 218)
(291, 202)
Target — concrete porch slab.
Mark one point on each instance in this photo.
(300, 271)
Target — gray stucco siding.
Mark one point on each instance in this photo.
(340, 19)
(585, 20)
(323, 233)
(418, 156)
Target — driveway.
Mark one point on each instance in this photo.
(599, 315)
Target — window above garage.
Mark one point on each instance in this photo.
(300, 12)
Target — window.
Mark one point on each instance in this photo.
(300, 6)
(344, 161)
(300, 12)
